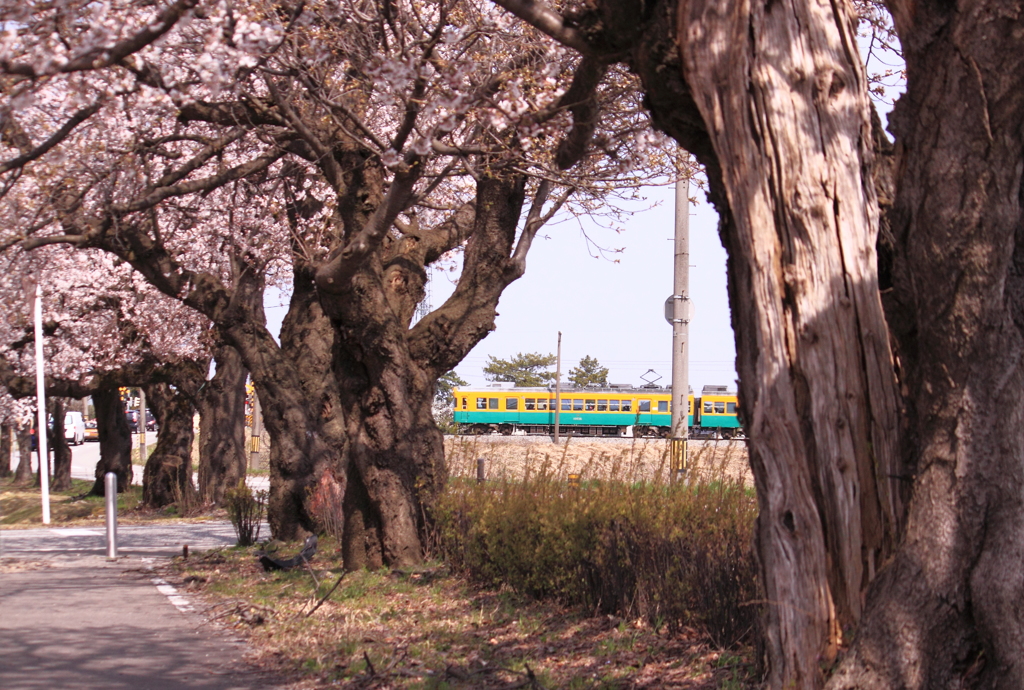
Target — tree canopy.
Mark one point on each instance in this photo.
(588, 372)
(529, 369)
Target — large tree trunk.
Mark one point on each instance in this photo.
(6, 449)
(308, 404)
(222, 460)
(772, 100)
(115, 440)
(167, 478)
(947, 612)
(23, 475)
(61, 449)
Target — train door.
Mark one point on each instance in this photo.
(643, 411)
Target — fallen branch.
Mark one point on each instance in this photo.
(326, 596)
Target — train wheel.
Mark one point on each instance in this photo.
(505, 429)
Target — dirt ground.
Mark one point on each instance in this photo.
(627, 459)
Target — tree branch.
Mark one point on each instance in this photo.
(99, 58)
(330, 278)
(548, 21)
(57, 137)
(202, 185)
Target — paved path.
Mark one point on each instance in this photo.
(71, 619)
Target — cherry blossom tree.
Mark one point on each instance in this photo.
(346, 145)
(16, 418)
(103, 328)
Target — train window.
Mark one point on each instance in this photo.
(464, 401)
(707, 407)
(613, 405)
(663, 406)
(689, 406)
(542, 404)
(577, 404)
(627, 405)
(566, 404)
(591, 404)
(492, 403)
(481, 403)
(645, 405)
(730, 408)
(511, 403)
(602, 405)
(719, 408)
(530, 404)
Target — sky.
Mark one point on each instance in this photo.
(608, 306)
(611, 306)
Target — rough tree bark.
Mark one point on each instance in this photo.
(61, 449)
(771, 99)
(23, 475)
(6, 449)
(222, 459)
(115, 440)
(947, 611)
(167, 477)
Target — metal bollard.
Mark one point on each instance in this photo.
(480, 470)
(110, 493)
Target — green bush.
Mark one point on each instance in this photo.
(676, 555)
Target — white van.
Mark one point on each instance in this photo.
(74, 428)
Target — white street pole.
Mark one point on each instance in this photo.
(44, 469)
(681, 330)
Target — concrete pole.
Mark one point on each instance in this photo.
(681, 330)
(41, 450)
(558, 383)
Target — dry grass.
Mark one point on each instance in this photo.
(429, 629)
(513, 458)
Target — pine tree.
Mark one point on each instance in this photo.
(530, 369)
(588, 372)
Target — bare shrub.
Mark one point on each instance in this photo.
(245, 509)
(324, 505)
(623, 541)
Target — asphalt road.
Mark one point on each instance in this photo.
(85, 457)
(71, 619)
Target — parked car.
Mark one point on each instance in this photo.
(91, 432)
(74, 428)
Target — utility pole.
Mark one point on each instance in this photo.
(681, 331)
(558, 383)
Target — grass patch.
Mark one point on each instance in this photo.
(21, 507)
(430, 628)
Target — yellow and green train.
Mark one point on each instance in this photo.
(612, 411)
